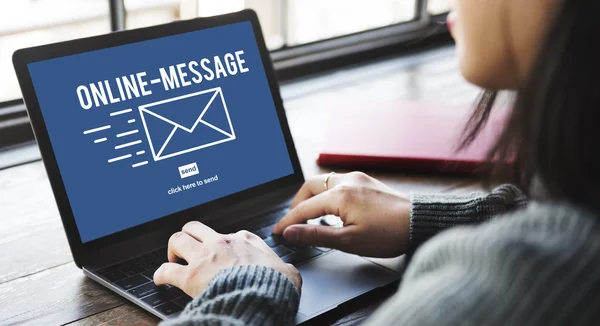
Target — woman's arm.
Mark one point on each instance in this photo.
(539, 266)
(374, 214)
(260, 295)
(433, 213)
(256, 295)
(236, 279)
(243, 295)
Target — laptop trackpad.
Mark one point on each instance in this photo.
(336, 278)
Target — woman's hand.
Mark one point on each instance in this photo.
(207, 252)
(376, 218)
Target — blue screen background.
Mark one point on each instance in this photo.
(110, 197)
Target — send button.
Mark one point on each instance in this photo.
(188, 170)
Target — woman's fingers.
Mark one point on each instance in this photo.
(320, 236)
(200, 231)
(315, 186)
(317, 206)
(307, 190)
(170, 273)
(182, 245)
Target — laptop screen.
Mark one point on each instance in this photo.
(148, 129)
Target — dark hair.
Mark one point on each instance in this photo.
(553, 132)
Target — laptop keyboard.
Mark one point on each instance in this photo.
(135, 276)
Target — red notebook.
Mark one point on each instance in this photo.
(405, 136)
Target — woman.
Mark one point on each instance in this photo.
(538, 263)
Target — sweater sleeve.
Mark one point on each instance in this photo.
(538, 266)
(243, 295)
(433, 213)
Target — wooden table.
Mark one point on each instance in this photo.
(40, 285)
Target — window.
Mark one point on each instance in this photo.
(284, 23)
(143, 13)
(340, 17)
(300, 33)
(436, 7)
(35, 22)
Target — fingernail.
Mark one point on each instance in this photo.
(291, 234)
(156, 273)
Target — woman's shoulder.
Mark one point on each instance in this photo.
(550, 219)
(536, 266)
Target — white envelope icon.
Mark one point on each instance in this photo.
(186, 123)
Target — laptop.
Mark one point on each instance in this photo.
(144, 130)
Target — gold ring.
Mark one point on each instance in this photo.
(326, 182)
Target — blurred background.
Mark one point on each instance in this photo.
(294, 29)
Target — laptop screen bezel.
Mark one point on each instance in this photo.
(23, 57)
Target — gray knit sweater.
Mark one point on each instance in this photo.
(539, 264)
